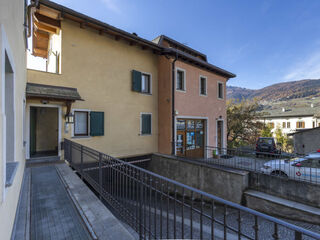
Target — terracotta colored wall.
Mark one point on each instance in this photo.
(164, 96)
(190, 103)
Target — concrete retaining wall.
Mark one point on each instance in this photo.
(298, 191)
(219, 181)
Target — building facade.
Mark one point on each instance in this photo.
(292, 120)
(117, 88)
(12, 94)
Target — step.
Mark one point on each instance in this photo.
(43, 159)
(281, 207)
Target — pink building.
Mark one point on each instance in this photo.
(196, 109)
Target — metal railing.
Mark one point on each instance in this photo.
(283, 165)
(157, 207)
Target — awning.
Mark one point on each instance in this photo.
(50, 92)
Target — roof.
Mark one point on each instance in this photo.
(159, 40)
(298, 131)
(34, 90)
(293, 112)
(101, 27)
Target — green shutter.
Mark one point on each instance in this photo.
(146, 124)
(136, 81)
(96, 123)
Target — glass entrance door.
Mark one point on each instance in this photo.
(190, 138)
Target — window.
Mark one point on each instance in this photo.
(141, 82)
(145, 124)
(300, 124)
(283, 124)
(181, 81)
(271, 125)
(288, 125)
(145, 83)
(81, 123)
(220, 90)
(203, 86)
(88, 120)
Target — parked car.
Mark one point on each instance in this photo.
(305, 168)
(266, 146)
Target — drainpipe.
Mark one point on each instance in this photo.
(172, 102)
(30, 7)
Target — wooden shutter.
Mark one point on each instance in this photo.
(96, 123)
(297, 124)
(136, 81)
(303, 125)
(146, 124)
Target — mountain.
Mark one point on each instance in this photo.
(278, 92)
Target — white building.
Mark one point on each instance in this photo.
(294, 119)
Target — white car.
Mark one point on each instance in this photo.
(305, 168)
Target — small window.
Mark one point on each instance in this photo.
(300, 125)
(288, 125)
(271, 125)
(220, 90)
(81, 123)
(145, 83)
(146, 124)
(284, 125)
(180, 80)
(203, 86)
(141, 82)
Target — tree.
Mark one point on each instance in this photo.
(283, 140)
(266, 131)
(243, 122)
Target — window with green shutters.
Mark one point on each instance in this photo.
(141, 82)
(96, 123)
(146, 123)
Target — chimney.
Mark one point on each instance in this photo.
(283, 109)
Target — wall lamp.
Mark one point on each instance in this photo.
(69, 118)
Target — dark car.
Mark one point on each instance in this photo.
(266, 146)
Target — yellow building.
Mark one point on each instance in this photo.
(110, 84)
(12, 99)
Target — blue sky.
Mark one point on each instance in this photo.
(262, 41)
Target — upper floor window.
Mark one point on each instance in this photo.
(146, 83)
(220, 90)
(288, 125)
(283, 124)
(141, 82)
(181, 80)
(271, 125)
(300, 124)
(203, 85)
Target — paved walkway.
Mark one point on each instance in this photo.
(52, 213)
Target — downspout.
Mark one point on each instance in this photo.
(173, 108)
(30, 7)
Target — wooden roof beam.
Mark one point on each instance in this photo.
(47, 20)
(45, 28)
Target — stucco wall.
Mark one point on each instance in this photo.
(100, 68)
(190, 103)
(12, 42)
(165, 105)
(306, 142)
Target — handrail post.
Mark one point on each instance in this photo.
(70, 153)
(81, 165)
(100, 175)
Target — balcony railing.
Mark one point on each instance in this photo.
(157, 207)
